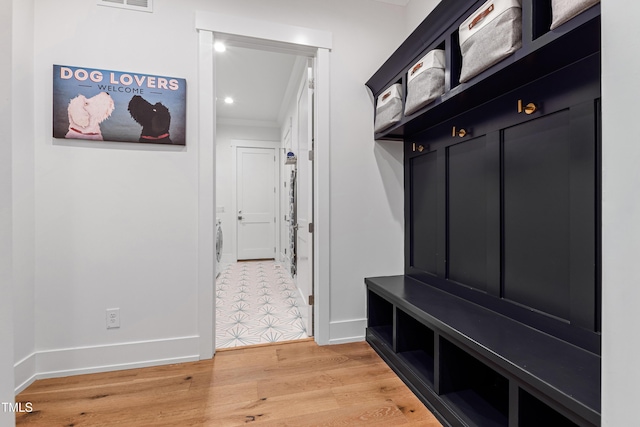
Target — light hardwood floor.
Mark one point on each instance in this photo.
(291, 384)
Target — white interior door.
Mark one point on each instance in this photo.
(256, 203)
(304, 199)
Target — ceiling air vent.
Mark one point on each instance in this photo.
(141, 5)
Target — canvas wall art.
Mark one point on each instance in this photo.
(105, 105)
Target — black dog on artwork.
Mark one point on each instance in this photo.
(154, 119)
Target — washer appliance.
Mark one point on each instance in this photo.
(218, 245)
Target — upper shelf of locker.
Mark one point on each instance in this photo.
(543, 51)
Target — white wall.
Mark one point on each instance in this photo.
(116, 225)
(620, 214)
(23, 191)
(416, 11)
(226, 133)
(6, 213)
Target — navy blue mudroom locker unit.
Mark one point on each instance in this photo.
(496, 321)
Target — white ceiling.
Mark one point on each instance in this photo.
(258, 81)
(398, 2)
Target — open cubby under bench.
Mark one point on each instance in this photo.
(473, 366)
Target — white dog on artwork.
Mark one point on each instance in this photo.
(86, 114)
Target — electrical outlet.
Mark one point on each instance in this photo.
(113, 318)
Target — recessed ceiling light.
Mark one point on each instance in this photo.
(228, 100)
(219, 47)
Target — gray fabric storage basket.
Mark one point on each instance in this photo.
(425, 81)
(564, 10)
(489, 35)
(389, 107)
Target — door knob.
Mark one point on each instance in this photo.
(239, 215)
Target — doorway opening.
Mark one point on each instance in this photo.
(272, 37)
(264, 196)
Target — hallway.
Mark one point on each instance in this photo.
(257, 302)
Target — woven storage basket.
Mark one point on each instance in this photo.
(425, 81)
(489, 35)
(388, 107)
(564, 10)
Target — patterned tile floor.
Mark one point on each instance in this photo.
(257, 302)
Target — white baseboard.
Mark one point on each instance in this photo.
(347, 331)
(105, 358)
(25, 372)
